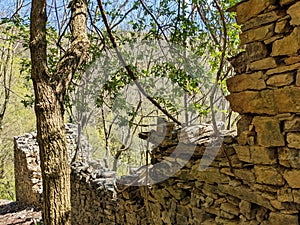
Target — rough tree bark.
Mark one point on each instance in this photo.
(50, 90)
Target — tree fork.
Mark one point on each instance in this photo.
(50, 90)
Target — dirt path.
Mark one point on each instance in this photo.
(12, 213)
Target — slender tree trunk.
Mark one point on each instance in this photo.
(50, 91)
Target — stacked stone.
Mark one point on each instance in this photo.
(266, 92)
(28, 176)
(97, 198)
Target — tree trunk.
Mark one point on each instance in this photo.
(50, 91)
(54, 158)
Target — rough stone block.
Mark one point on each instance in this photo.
(226, 215)
(289, 157)
(285, 195)
(245, 208)
(210, 175)
(229, 208)
(261, 214)
(243, 153)
(263, 64)
(253, 102)
(263, 155)
(293, 140)
(292, 125)
(245, 174)
(239, 62)
(280, 219)
(268, 132)
(244, 123)
(282, 26)
(283, 69)
(263, 19)
(273, 39)
(244, 82)
(256, 51)
(253, 8)
(245, 193)
(271, 102)
(292, 60)
(293, 178)
(258, 34)
(288, 45)
(287, 99)
(293, 11)
(281, 80)
(246, 138)
(268, 175)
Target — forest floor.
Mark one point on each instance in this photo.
(12, 213)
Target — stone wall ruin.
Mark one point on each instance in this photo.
(257, 181)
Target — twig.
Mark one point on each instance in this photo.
(128, 69)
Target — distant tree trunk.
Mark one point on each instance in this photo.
(50, 90)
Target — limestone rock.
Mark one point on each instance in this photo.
(293, 11)
(281, 80)
(258, 34)
(210, 175)
(244, 82)
(252, 7)
(288, 45)
(263, 64)
(283, 69)
(282, 26)
(273, 39)
(239, 62)
(253, 102)
(268, 175)
(285, 195)
(245, 174)
(293, 178)
(245, 193)
(289, 157)
(268, 132)
(280, 219)
(243, 153)
(243, 124)
(263, 19)
(287, 99)
(261, 214)
(256, 51)
(293, 140)
(270, 102)
(245, 208)
(292, 125)
(292, 60)
(263, 155)
(227, 207)
(246, 138)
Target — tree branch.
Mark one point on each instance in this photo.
(77, 52)
(128, 69)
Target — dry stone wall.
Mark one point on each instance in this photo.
(258, 180)
(253, 178)
(28, 177)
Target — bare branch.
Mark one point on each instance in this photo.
(128, 69)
